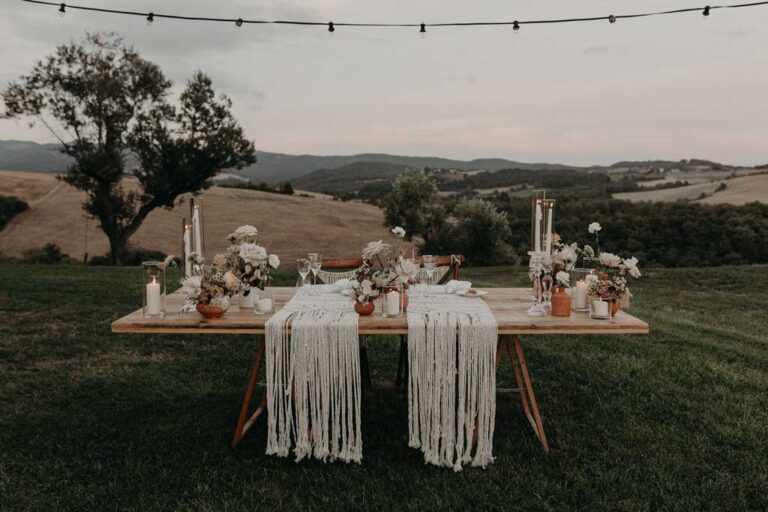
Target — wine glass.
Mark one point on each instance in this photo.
(430, 262)
(315, 264)
(302, 264)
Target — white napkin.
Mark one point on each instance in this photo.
(342, 285)
(454, 286)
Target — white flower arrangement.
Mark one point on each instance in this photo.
(364, 291)
(398, 231)
(609, 259)
(243, 234)
(252, 253)
(594, 228)
(563, 279)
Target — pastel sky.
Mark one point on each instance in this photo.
(591, 93)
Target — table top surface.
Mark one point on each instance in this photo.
(509, 306)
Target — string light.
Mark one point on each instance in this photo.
(422, 26)
(423, 30)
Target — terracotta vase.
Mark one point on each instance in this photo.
(561, 302)
(406, 299)
(615, 306)
(210, 311)
(364, 309)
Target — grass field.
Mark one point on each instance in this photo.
(676, 420)
(741, 190)
(333, 228)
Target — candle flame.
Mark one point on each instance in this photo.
(154, 279)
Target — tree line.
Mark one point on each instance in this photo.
(497, 230)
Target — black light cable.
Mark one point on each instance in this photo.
(422, 26)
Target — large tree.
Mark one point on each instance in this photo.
(111, 111)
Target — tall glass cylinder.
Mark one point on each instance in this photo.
(153, 289)
(538, 224)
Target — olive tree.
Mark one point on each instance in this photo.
(111, 110)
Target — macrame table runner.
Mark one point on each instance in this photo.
(313, 377)
(452, 378)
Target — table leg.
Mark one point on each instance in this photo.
(523, 378)
(244, 423)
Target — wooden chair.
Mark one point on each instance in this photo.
(447, 269)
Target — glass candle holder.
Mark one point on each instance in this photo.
(392, 301)
(538, 222)
(265, 302)
(153, 289)
(600, 308)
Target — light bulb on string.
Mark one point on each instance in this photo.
(612, 18)
(705, 12)
(62, 10)
(239, 22)
(516, 26)
(331, 28)
(150, 18)
(423, 31)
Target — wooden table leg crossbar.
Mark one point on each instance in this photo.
(509, 343)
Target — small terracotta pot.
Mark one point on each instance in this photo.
(209, 311)
(364, 309)
(406, 299)
(561, 302)
(615, 306)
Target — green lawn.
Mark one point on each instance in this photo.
(677, 420)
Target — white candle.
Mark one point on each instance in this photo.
(599, 307)
(580, 294)
(537, 229)
(393, 303)
(264, 305)
(198, 230)
(187, 251)
(549, 229)
(153, 297)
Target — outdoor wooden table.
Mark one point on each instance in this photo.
(509, 306)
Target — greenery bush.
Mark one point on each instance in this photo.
(133, 257)
(49, 254)
(9, 207)
(480, 233)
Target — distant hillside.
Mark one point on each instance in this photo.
(290, 226)
(348, 178)
(21, 155)
(270, 167)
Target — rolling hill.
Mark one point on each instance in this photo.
(271, 167)
(290, 226)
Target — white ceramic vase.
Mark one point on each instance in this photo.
(249, 301)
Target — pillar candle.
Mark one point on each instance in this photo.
(393, 303)
(580, 294)
(264, 305)
(599, 307)
(198, 231)
(550, 214)
(187, 251)
(153, 297)
(537, 228)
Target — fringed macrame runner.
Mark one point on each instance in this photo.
(452, 379)
(313, 377)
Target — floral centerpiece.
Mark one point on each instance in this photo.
(364, 290)
(611, 282)
(248, 261)
(210, 290)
